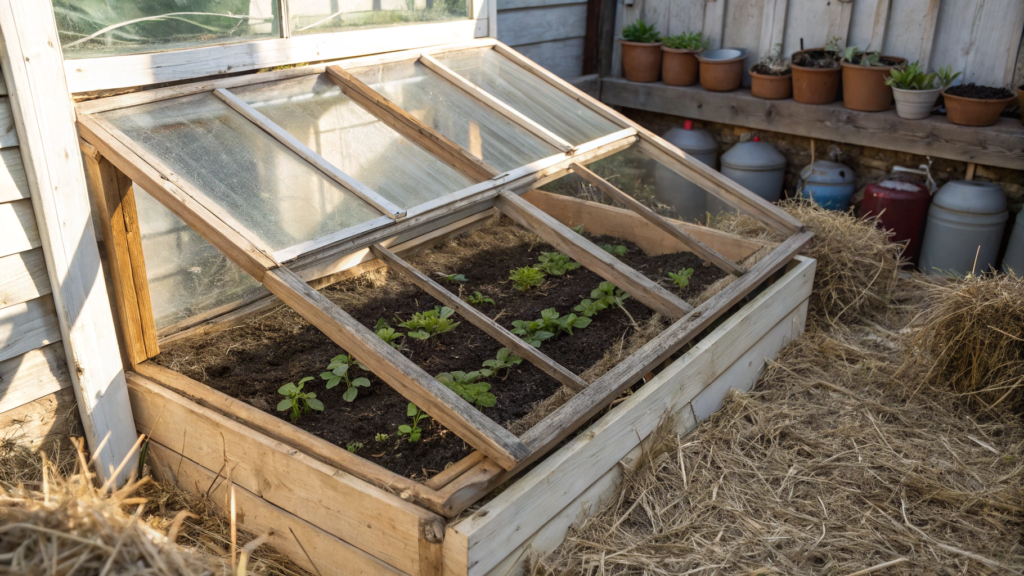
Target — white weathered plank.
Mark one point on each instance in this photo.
(28, 326)
(562, 57)
(18, 231)
(773, 25)
(714, 22)
(8, 135)
(528, 504)
(868, 24)
(23, 277)
(816, 22)
(33, 375)
(33, 66)
(535, 25)
(41, 422)
(3, 86)
(140, 69)
(517, 4)
(13, 185)
(910, 30)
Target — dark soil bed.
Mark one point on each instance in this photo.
(979, 92)
(760, 68)
(816, 59)
(252, 361)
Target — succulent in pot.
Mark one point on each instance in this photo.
(772, 77)
(641, 52)
(816, 73)
(915, 91)
(973, 105)
(864, 75)
(679, 58)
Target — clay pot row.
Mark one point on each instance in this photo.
(864, 87)
(718, 70)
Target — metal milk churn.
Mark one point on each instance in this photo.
(828, 184)
(1013, 260)
(755, 165)
(670, 188)
(964, 229)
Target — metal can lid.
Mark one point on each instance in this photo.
(972, 197)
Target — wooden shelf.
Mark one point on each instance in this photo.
(1000, 145)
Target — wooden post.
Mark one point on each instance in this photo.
(43, 113)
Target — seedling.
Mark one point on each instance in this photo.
(773, 63)
(686, 41)
(569, 321)
(555, 263)
(640, 31)
(617, 250)
(353, 446)
(549, 320)
(912, 77)
(465, 384)
(388, 334)
(531, 331)
(423, 325)
(589, 308)
(611, 296)
(380, 437)
(854, 55)
(477, 299)
(578, 229)
(681, 278)
(337, 373)
(525, 278)
(504, 360)
(452, 278)
(297, 401)
(412, 432)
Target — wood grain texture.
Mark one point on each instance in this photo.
(561, 57)
(399, 372)
(481, 320)
(13, 185)
(328, 554)
(1000, 145)
(43, 422)
(27, 326)
(543, 24)
(18, 223)
(366, 517)
(23, 277)
(33, 375)
(592, 257)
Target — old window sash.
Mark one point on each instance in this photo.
(502, 191)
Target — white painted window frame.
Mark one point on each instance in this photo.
(117, 72)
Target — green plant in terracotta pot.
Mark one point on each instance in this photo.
(641, 52)
(973, 105)
(679, 58)
(816, 73)
(915, 91)
(864, 75)
(772, 77)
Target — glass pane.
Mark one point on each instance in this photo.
(529, 94)
(455, 114)
(187, 275)
(275, 194)
(89, 28)
(316, 16)
(314, 110)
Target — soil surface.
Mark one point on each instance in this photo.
(252, 361)
(768, 71)
(979, 92)
(816, 59)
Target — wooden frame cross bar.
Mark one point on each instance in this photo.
(587, 253)
(698, 247)
(481, 321)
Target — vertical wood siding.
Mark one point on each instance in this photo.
(549, 32)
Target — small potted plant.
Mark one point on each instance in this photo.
(915, 92)
(679, 58)
(973, 105)
(864, 75)
(641, 52)
(772, 77)
(816, 74)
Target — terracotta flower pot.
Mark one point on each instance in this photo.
(815, 85)
(771, 87)
(719, 72)
(678, 66)
(974, 111)
(864, 87)
(641, 61)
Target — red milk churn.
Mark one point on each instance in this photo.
(902, 202)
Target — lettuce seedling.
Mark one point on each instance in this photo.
(569, 321)
(531, 331)
(609, 294)
(555, 263)
(504, 360)
(578, 229)
(423, 325)
(465, 384)
(452, 278)
(297, 401)
(589, 308)
(380, 437)
(337, 373)
(549, 320)
(388, 334)
(617, 250)
(681, 278)
(525, 278)
(353, 446)
(477, 298)
(413, 432)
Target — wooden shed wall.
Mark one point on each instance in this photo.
(36, 400)
(982, 38)
(549, 32)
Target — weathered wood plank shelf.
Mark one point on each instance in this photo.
(1000, 145)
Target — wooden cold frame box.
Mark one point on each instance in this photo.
(342, 508)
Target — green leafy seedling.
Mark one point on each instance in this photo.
(611, 296)
(503, 361)
(297, 401)
(681, 278)
(531, 331)
(525, 278)
(465, 384)
(589, 308)
(569, 321)
(555, 263)
(686, 41)
(578, 229)
(423, 325)
(380, 437)
(338, 372)
(640, 31)
(388, 334)
(617, 250)
(412, 432)
(353, 446)
(452, 278)
(549, 320)
(477, 299)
